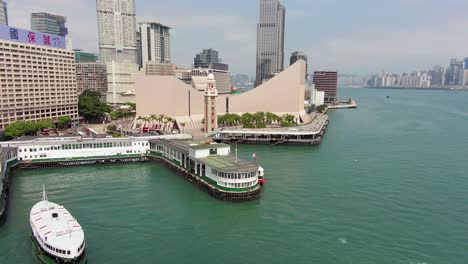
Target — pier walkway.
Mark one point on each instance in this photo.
(309, 134)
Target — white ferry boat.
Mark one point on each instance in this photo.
(57, 236)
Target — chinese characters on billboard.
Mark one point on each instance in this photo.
(31, 37)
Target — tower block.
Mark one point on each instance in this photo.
(211, 117)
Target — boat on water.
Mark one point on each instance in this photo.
(57, 236)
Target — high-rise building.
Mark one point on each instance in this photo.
(49, 23)
(92, 76)
(327, 81)
(465, 64)
(205, 58)
(85, 57)
(118, 47)
(298, 55)
(37, 77)
(154, 44)
(3, 13)
(454, 71)
(270, 40)
(117, 31)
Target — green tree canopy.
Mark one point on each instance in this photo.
(90, 107)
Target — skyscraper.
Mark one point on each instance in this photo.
(3, 13)
(155, 43)
(270, 40)
(454, 71)
(298, 55)
(49, 23)
(118, 47)
(205, 58)
(117, 30)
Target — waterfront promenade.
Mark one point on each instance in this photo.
(308, 134)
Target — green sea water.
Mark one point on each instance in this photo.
(389, 184)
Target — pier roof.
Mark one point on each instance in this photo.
(229, 164)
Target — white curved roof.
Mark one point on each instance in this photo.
(62, 232)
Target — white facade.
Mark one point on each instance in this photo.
(121, 82)
(68, 148)
(317, 97)
(3, 13)
(118, 47)
(155, 43)
(117, 30)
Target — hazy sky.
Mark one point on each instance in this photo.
(352, 36)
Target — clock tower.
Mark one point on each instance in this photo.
(211, 117)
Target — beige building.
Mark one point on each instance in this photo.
(164, 69)
(92, 76)
(36, 81)
(283, 94)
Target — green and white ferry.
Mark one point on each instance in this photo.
(57, 236)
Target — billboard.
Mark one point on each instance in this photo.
(31, 37)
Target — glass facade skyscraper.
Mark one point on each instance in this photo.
(206, 58)
(270, 40)
(49, 23)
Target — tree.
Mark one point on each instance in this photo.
(288, 121)
(64, 121)
(183, 124)
(21, 128)
(247, 120)
(321, 108)
(90, 107)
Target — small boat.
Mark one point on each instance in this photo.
(56, 235)
(388, 96)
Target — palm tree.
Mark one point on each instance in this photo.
(154, 118)
(183, 124)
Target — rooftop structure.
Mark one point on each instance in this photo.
(85, 57)
(270, 40)
(49, 23)
(48, 90)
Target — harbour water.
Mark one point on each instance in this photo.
(388, 185)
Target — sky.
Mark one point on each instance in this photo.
(351, 36)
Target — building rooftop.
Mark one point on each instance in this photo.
(229, 164)
(185, 145)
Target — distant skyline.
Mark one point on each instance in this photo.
(353, 37)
